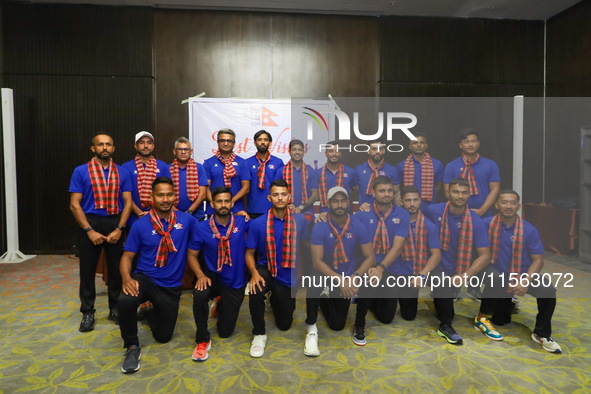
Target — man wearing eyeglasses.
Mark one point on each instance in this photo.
(227, 169)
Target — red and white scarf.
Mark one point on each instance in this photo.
(229, 170)
(288, 177)
(381, 242)
(465, 241)
(338, 254)
(322, 183)
(106, 192)
(375, 172)
(145, 177)
(468, 174)
(261, 170)
(289, 247)
(494, 235)
(224, 256)
(192, 180)
(427, 175)
(416, 250)
(166, 244)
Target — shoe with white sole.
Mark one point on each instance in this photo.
(547, 343)
(257, 348)
(484, 325)
(311, 345)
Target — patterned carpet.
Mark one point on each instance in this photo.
(42, 351)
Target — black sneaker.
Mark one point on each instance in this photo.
(449, 334)
(358, 337)
(114, 316)
(87, 323)
(144, 310)
(132, 359)
(475, 293)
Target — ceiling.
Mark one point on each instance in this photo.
(492, 9)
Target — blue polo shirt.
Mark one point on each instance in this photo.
(532, 245)
(256, 239)
(296, 193)
(80, 183)
(396, 224)
(161, 170)
(418, 182)
(406, 267)
(144, 239)
(485, 171)
(215, 173)
(184, 202)
(480, 236)
(350, 179)
(364, 173)
(257, 198)
(204, 241)
(358, 234)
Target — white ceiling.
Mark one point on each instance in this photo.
(493, 9)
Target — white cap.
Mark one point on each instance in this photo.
(335, 190)
(143, 134)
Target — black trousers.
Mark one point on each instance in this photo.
(443, 299)
(497, 302)
(89, 257)
(228, 308)
(161, 320)
(281, 301)
(388, 298)
(254, 215)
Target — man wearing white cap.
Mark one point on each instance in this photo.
(144, 169)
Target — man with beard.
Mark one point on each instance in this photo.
(334, 173)
(225, 169)
(222, 240)
(276, 237)
(333, 255)
(423, 171)
(144, 169)
(264, 168)
(162, 236)
(374, 167)
(100, 200)
(460, 229)
(516, 262)
(301, 180)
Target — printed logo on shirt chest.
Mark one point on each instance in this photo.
(345, 175)
(458, 224)
(348, 235)
(370, 221)
(235, 231)
(178, 226)
(157, 171)
(396, 220)
(382, 172)
(511, 238)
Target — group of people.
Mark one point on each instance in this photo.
(259, 232)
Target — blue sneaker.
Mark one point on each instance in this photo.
(487, 329)
(447, 332)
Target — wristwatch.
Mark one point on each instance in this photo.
(190, 211)
(88, 229)
(301, 207)
(382, 266)
(121, 227)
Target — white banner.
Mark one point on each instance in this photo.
(208, 115)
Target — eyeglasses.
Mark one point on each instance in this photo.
(226, 141)
(183, 149)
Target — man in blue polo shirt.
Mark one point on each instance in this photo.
(333, 255)
(221, 239)
(516, 262)
(264, 168)
(334, 173)
(297, 173)
(460, 229)
(226, 169)
(273, 273)
(430, 181)
(481, 173)
(144, 169)
(162, 236)
(100, 200)
(374, 167)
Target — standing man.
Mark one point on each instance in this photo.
(264, 168)
(421, 170)
(516, 254)
(162, 236)
(190, 180)
(302, 181)
(100, 200)
(481, 173)
(374, 167)
(225, 169)
(334, 173)
(276, 237)
(144, 169)
(333, 255)
(460, 229)
(222, 240)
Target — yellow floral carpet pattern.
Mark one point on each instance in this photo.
(41, 350)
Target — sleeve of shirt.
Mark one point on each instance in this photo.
(125, 180)
(431, 215)
(448, 174)
(364, 235)
(395, 177)
(164, 171)
(279, 170)
(354, 178)
(244, 172)
(196, 238)
(480, 233)
(534, 242)
(305, 230)
(247, 225)
(438, 171)
(76, 182)
(202, 174)
(312, 178)
(252, 237)
(404, 225)
(494, 175)
(400, 171)
(207, 169)
(317, 235)
(432, 235)
(133, 241)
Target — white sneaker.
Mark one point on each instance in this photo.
(547, 343)
(311, 345)
(257, 349)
